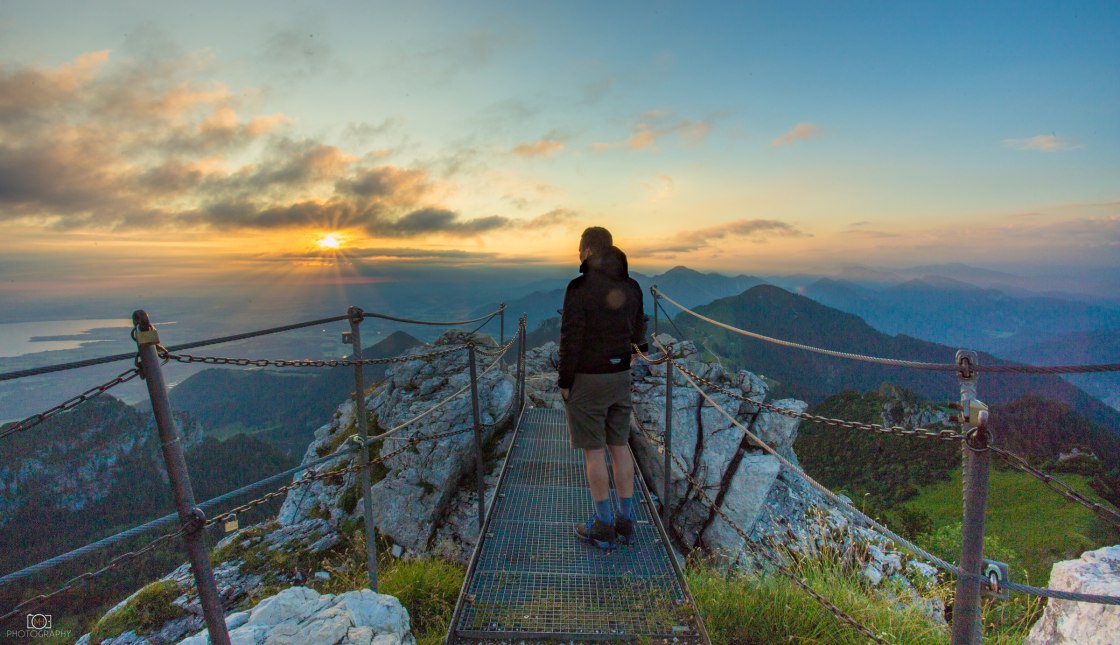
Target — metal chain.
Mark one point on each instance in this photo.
(779, 565)
(249, 362)
(35, 420)
(89, 575)
(921, 433)
(1056, 484)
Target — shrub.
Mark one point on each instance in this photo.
(149, 609)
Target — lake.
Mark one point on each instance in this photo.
(16, 338)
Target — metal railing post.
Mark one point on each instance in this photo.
(967, 625)
(502, 324)
(665, 492)
(356, 318)
(653, 290)
(522, 368)
(191, 518)
(477, 440)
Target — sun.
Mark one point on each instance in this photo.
(330, 241)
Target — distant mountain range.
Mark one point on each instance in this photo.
(956, 313)
(775, 312)
(689, 287)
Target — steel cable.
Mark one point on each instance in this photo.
(894, 362)
(863, 518)
(226, 339)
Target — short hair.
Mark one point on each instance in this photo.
(596, 238)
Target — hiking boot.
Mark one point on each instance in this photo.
(623, 529)
(597, 533)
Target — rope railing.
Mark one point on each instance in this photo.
(230, 514)
(894, 362)
(780, 566)
(307, 479)
(47, 369)
(868, 521)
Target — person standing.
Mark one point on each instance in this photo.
(602, 320)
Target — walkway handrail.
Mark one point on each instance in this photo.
(47, 369)
(858, 515)
(895, 362)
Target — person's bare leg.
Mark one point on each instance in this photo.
(597, 476)
(623, 465)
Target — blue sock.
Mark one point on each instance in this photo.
(603, 511)
(625, 507)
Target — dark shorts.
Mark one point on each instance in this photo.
(598, 410)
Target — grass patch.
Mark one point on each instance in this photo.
(149, 609)
(428, 588)
(1040, 526)
(770, 608)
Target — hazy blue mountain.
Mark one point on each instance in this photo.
(1080, 348)
(957, 313)
(684, 285)
(774, 312)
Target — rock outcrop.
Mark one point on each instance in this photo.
(1064, 621)
(300, 615)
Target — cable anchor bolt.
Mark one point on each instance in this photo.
(196, 521)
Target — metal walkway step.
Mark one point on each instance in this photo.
(530, 578)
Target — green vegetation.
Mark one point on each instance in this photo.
(149, 609)
(428, 588)
(1038, 525)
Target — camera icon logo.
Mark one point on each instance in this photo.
(38, 621)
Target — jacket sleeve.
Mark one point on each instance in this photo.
(638, 325)
(572, 325)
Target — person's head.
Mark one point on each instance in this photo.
(594, 241)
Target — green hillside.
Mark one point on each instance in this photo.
(1040, 526)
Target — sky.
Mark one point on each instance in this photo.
(198, 143)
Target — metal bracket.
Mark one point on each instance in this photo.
(196, 520)
(356, 314)
(966, 361)
(347, 338)
(998, 575)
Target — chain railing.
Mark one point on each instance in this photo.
(780, 566)
(1057, 485)
(70, 403)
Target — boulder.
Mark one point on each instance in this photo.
(300, 615)
(1064, 621)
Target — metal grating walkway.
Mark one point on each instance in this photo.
(530, 578)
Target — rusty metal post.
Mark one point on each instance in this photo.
(523, 369)
(653, 290)
(976, 458)
(356, 318)
(665, 491)
(191, 517)
(477, 440)
(502, 324)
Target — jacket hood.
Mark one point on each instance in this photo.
(611, 263)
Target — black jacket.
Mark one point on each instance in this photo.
(602, 318)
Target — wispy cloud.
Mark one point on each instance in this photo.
(705, 238)
(542, 148)
(800, 132)
(1043, 143)
(653, 126)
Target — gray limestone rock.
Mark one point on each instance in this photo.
(1063, 621)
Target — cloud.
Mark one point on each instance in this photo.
(542, 148)
(1043, 143)
(707, 238)
(655, 125)
(800, 132)
(120, 146)
(555, 217)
